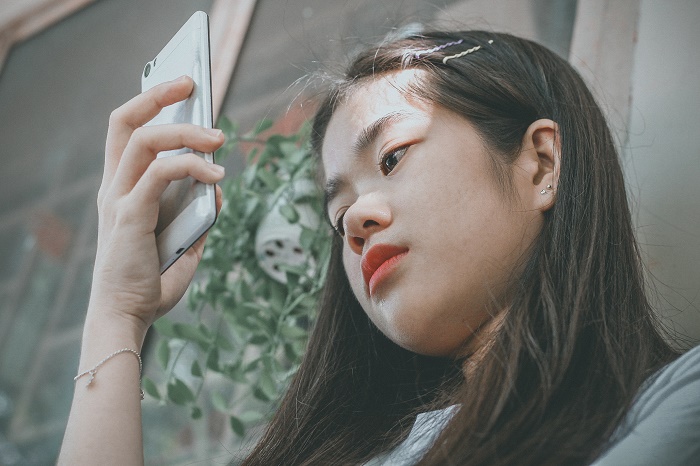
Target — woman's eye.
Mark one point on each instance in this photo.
(389, 160)
(338, 225)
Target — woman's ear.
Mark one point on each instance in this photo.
(538, 163)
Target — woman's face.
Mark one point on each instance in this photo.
(430, 239)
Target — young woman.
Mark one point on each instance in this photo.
(485, 301)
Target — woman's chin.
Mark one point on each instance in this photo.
(416, 336)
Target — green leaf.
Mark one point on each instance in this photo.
(292, 280)
(250, 417)
(307, 238)
(277, 139)
(270, 180)
(304, 197)
(252, 365)
(267, 385)
(290, 352)
(258, 339)
(203, 328)
(236, 374)
(218, 401)
(246, 293)
(299, 347)
(290, 213)
(196, 412)
(288, 148)
(196, 370)
(163, 353)
(191, 333)
(278, 293)
(296, 269)
(165, 327)
(179, 393)
(237, 426)
(260, 395)
(252, 155)
(263, 125)
(249, 175)
(150, 387)
(255, 307)
(194, 298)
(250, 206)
(213, 360)
(226, 125)
(293, 332)
(223, 343)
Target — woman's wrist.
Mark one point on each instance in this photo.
(103, 330)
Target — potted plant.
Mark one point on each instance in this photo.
(254, 296)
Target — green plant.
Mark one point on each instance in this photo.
(249, 327)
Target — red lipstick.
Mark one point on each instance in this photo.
(379, 261)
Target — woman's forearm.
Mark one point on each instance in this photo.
(104, 426)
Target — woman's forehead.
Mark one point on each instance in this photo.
(385, 88)
(369, 101)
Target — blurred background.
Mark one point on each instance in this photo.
(66, 64)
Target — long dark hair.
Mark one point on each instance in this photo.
(579, 337)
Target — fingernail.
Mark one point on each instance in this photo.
(184, 77)
(218, 169)
(213, 132)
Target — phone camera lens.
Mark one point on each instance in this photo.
(147, 71)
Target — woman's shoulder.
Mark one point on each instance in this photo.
(663, 424)
(672, 383)
(426, 429)
(685, 364)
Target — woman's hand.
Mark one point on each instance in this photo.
(126, 282)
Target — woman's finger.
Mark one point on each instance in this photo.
(146, 142)
(137, 112)
(185, 266)
(219, 199)
(143, 199)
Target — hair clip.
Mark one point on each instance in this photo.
(436, 49)
(461, 54)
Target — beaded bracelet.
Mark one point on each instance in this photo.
(93, 372)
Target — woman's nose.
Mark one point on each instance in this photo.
(368, 215)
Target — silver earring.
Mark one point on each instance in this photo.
(544, 191)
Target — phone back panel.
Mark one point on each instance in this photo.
(187, 207)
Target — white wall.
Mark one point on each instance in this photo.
(662, 157)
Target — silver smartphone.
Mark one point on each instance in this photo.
(187, 207)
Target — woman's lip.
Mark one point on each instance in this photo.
(379, 261)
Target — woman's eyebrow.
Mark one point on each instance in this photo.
(370, 133)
